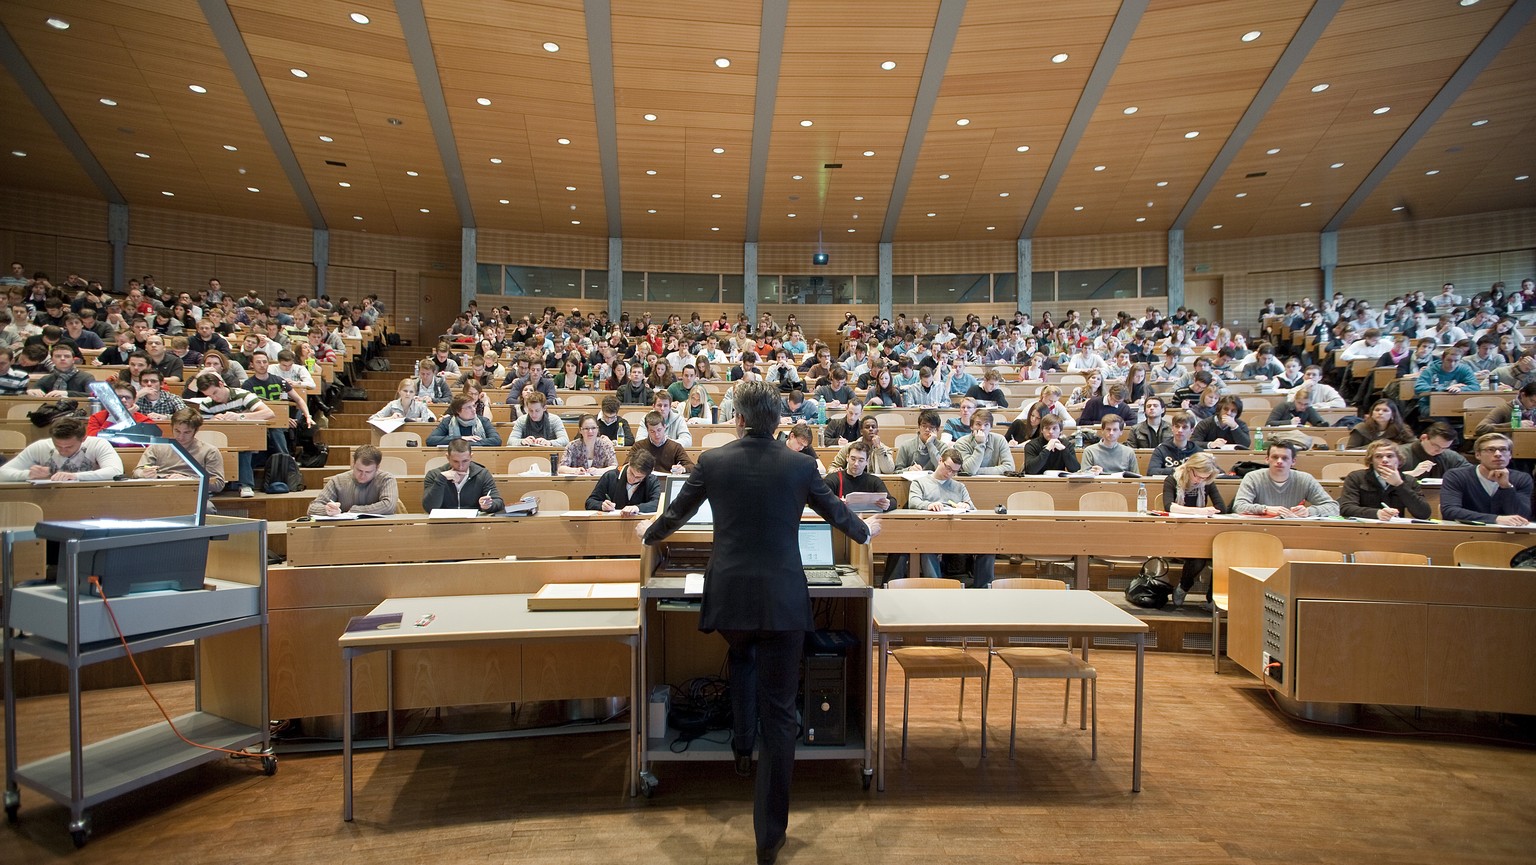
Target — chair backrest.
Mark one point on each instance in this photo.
(520, 465)
(399, 439)
(576, 399)
(889, 420)
(551, 502)
(1383, 557)
(21, 409)
(1031, 500)
(394, 465)
(1338, 471)
(1483, 402)
(12, 440)
(434, 462)
(924, 583)
(217, 438)
(1256, 406)
(717, 438)
(1028, 583)
(636, 420)
(1240, 549)
(20, 515)
(1485, 554)
(903, 438)
(1102, 500)
(1302, 554)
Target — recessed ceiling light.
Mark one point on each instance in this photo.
(943, 176)
(933, 214)
(358, 18)
(327, 139)
(197, 88)
(495, 160)
(570, 189)
(112, 103)
(1151, 204)
(858, 198)
(1141, 219)
(344, 185)
(652, 210)
(1129, 109)
(1382, 110)
(869, 153)
(394, 121)
(1319, 88)
(423, 210)
(964, 121)
(167, 194)
(1469, 2)
(231, 148)
(1162, 183)
(551, 47)
(651, 171)
(1022, 148)
(562, 141)
(1078, 207)
(722, 62)
(1522, 177)
(1479, 123)
(1272, 151)
(888, 65)
(1100, 167)
(714, 195)
(575, 222)
(1432, 172)
(298, 73)
(1306, 204)
(1241, 195)
(141, 154)
(1217, 226)
(503, 201)
(1002, 195)
(649, 117)
(1399, 208)
(412, 174)
(991, 228)
(1193, 133)
(854, 216)
(714, 228)
(252, 189)
(1252, 35)
(791, 216)
(359, 218)
(18, 153)
(852, 230)
(717, 150)
(482, 101)
(58, 23)
(1059, 58)
(1337, 165)
(805, 123)
(797, 177)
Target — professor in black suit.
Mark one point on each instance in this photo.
(754, 591)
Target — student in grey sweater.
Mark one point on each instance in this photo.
(1108, 454)
(366, 489)
(984, 451)
(1280, 491)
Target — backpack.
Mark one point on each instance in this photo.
(283, 475)
(379, 364)
(315, 456)
(45, 415)
(1148, 589)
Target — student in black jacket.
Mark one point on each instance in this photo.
(1381, 490)
(631, 489)
(1049, 452)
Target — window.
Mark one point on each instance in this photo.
(818, 288)
(1097, 284)
(542, 282)
(597, 284)
(682, 287)
(1043, 286)
(767, 289)
(954, 288)
(634, 286)
(901, 288)
(731, 288)
(1005, 288)
(488, 279)
(866, 288)
(1154, 282)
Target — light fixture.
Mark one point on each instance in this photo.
(167, 194)
(483, 101)
(652, 210)
(231, 148)
(562, 141)
(344, 185)
(1432, 172)
(852, 230)
(1400, 207)
(358, 18)
(423, 210)
(1469, 2)
(1382, 110)
(714, 228)
(1272, 151)
(1319, 88)
(1151, 204)
(1522, 177)
(1479, 123)
(141, 154)
(1193, 133)
(1002, 195)
(805, 123)
(112, 103)
(722, 62)
(714, 195)
(858, 198)
(791, 216)
(570, 189)
(495, 160)
(888, 65)
(551, 47)
(854, 216)
(1129, 109)
(1162, 183)
(327, 139)
(1141, 219)
(869, 153)
(1337, 165)
(651, 172)
(1217, 226)
(1022, 148)
(1100, 167)
(197, 88)
(359, 218)
(503, 201)
(1078, 207)
(252, 189)
(648, 117)
(1252, 35)
(933, 214)
(575, 222)
(394, 121)
(412, 174)
(298, 73)
(58, 23)
(796, 177)
(943, 176)
(717, 150)
(1306, 204)
(991, 228)
(1059, 58)
(18, 153)
(1241, 195)
(964, 121)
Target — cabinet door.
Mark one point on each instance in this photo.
(1360, 652)
(1478, 658)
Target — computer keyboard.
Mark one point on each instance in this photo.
(822, 577)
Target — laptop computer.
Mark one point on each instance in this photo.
(816, 555)
(703, 519)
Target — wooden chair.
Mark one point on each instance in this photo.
(434, 462)
(888, 420)
(519, 465)
(551, 502)
(394, 465)
(21, 410)
(903, 438)
(400, 439)
(580, 399)
(1039, 500)
(1032, 662)
(937, 662)
(717, 438)
(1382, 557)
(29, 557)
(1484, 554)
(216, 438)
(1109, 500)
(1304, 554)
(12, 440)
(1483, 402)
(1338, 471)
(636, 420)
(1230, 550)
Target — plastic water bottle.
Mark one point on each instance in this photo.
(1141, 498)
(417, 369)
(1258, 439)
(821, 413)
(1515, 415)
(1077, 440)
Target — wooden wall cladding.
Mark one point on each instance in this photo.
(1439, 238)
(168, 229)
(541, 250)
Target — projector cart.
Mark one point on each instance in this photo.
(230, 633)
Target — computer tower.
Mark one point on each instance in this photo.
(825, 707)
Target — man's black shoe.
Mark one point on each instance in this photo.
(744, 764)
(770, 854)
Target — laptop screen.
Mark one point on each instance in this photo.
(702, 519)
(110, 401)
(816, 545)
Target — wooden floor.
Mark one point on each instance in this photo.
(1226, 779)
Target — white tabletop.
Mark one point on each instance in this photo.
(999, 611)
(488, 617)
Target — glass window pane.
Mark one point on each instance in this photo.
(487, 279)
(1098, 284)
(954, 288)
(596, 282)
(1154, 282)
(866, 288)
(1005, 287)
(730, 287)
(817, 288)
(1043, 286)
(901, 288)
(767, 289)
(542, 282)
(683, 287)
(634, 286)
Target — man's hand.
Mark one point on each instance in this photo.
(1422, 468)
(641, 528)
(486, 502)
(883, 502)
(454, 477)
(630, 510)
(1055, 445)
(1387, 514)
(71, 476)
(40, 472)
(332, 509)
(147, 471)
(1392, 477)
(607, 506)
(936, 506)
(872, 522)
(1512, 520)
(471, 438)
(679, 469)
(1500, 477)
(530, 441)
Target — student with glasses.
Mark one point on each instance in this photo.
(1488, 491)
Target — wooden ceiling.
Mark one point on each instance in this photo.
(636, 130)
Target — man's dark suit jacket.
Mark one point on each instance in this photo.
(613, 487)
(757, 489)
(439, 492)
(1462, 496)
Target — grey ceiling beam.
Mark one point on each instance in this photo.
(600, 62)
(940, 45)
(1516, 17)
(418, 42)
(1120, 33)
(1284, 70)
(222, 22)
(770, 57)
(16, 64)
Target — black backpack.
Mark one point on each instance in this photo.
(1148, 589)
(283, 475)
(44, 415)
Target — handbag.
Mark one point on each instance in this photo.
(1149, 589)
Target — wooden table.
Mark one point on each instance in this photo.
(476, 621)
(89, 499)
(417, 538)
(998, 613)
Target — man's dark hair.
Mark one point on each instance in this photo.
(758, 405)
(1282, 445)
(367, 455)
(929, 417)
(67, 429)
(641, 460)
(459, 446)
